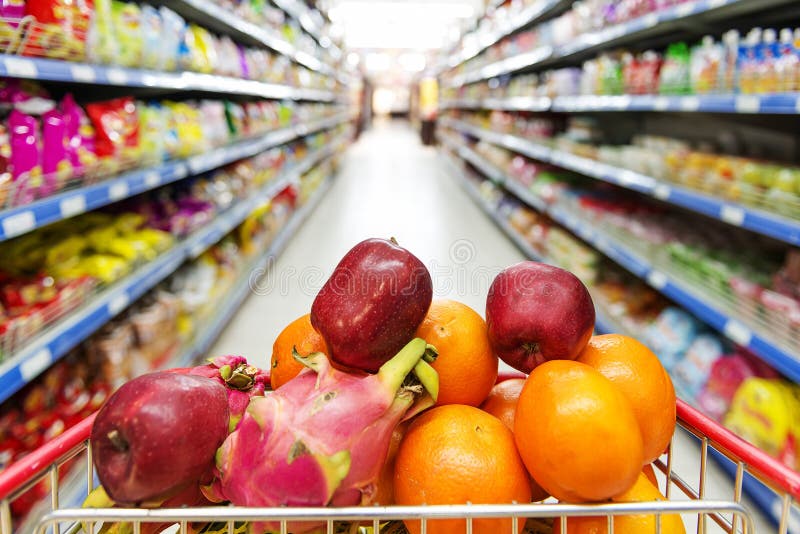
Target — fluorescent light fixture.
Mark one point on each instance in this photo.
(352, 10)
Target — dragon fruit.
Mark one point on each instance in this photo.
(241, 380)
(322, 438)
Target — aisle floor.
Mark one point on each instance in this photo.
(390, 185)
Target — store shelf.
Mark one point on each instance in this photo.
(676, 289)
(23, 219)
(740, 215)
(218, 18)
(661, 22)
(516, 103)
(55, 342)
(775, 104)
(523, 19)
(54, 70)
(766, 104)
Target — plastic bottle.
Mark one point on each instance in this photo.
(766, 72)
(748, 61)
(788, 63)
(728, 73)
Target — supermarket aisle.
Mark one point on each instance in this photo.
(388, 185)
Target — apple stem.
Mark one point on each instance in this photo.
(117, 441)
(393, 240)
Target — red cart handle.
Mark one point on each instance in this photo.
(29, 467)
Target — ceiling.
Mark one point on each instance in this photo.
(389, 35)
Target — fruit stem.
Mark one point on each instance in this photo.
(428, 377)
(393, 372)
(393, 240)
(117, 440)
(430, 354)
(242, 378)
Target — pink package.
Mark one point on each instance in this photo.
(56, 166)
(25, 155)
(726, 374)
(79, 133)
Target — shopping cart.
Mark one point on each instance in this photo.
(683, 496)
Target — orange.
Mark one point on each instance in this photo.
(642, 491)
(384, 490)
(638, 373)
(502, 403)
(502, 400)
(466, 364)
(650, 473)
(300, 335)
(576, 433)
(457, 454)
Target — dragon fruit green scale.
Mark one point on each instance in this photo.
(322, 438)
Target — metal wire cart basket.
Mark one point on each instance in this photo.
(686, 495)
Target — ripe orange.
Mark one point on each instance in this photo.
(641, 491)
(638, 373)
(502, 403)
(457, 454)
(466, 364)
(300, 335)
(502, 400)
(650, 473)
(384, 490)
(576, 433)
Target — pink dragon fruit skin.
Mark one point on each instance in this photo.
(241, 380)
(321, 439)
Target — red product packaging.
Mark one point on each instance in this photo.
(116, 124)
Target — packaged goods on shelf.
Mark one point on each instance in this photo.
(49, 146)
(125, 34)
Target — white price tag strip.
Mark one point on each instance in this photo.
(18, 224)
(662, 191)
(31, 367)
(118, 303)
(118, 191)
(72, 206)
(661, 103)
(83, 73)
(748, 104)
(690, 103)
(24, 68)
(657, 279)
(117, 76)
(732, 214)
(152, 179)
(737, 332)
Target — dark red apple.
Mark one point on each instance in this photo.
(156, 434)
(372, 304)
(536, 312)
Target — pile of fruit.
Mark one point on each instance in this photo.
(384, 396)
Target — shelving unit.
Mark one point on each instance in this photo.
(54, 70)
(670, 285)
(54, 343)
(657, 23)
(740, 215)
(764, 104)
(23, 219)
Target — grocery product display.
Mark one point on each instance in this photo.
(399, 267)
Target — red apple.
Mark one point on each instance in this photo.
(372, 304)
(536, 312)
(157, 434)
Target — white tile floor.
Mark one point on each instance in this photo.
(390, 185)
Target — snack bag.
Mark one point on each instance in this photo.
(153, 136)
(152, 32)
(116, 124)
(62, 25)
(127, 20)
(171, 39)
(766, 412)
(101, 43)
(56, 166)
(25, 161)
(80, 136)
